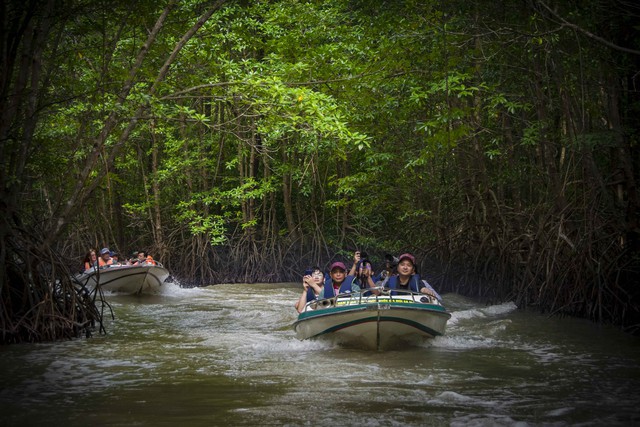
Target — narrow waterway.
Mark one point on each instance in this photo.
(227, 355)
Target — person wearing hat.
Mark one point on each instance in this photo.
(338, 282)
(105, 257)
(115, 257)
(363, 272)
(408, 280)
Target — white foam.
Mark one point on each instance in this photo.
(482, 312)
(462, 342)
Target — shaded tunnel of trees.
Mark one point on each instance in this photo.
(243, 141)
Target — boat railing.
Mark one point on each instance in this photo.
(375, 295)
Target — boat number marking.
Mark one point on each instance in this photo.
(401, 301)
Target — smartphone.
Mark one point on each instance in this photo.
(308, 272)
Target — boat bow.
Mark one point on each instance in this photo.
(364, 319)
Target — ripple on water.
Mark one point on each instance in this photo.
(234, 345)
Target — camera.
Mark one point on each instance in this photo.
(391, 260)
(308, 272)
(364, 262)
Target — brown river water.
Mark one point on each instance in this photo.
(227, 355)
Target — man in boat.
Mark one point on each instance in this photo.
(105, 258)
(338, 282)
(141, 258)
(407, 278)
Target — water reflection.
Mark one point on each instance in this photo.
(227, 355)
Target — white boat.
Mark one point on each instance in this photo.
(362, 320)
(125, 279)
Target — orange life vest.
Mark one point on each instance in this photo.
(101, 262)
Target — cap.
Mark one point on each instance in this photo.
(338, 264)
(105, 251)
(407, 256)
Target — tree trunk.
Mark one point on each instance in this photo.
(286, 196)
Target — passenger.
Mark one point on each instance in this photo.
(356, 260)
(362, 271)
(312, 284)
(390, 264)
(150, 261)
(116, 258)
(141, 258)
(338, 282)
(105, 258)
(408, 279)
(125, 261)
(90, 260)
(133, 259)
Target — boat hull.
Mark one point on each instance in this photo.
(126, 279)
(378, 323)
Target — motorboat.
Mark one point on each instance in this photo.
(392, 319)
(125, 279)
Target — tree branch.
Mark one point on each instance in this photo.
(589, 34)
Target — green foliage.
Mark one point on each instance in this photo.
(323, 126)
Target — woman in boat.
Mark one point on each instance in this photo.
(408, 280)
(312, 282)
(90, 260)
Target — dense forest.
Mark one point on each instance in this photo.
(241, 141)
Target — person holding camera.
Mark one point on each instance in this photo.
(362, 271)
(312, 283)
(390, 265)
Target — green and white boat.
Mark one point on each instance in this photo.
(378, 322)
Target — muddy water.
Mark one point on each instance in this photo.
(226, 355)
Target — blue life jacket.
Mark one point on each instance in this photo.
(310, 294)
(345, 287)
(414, 283)
(376, 277)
